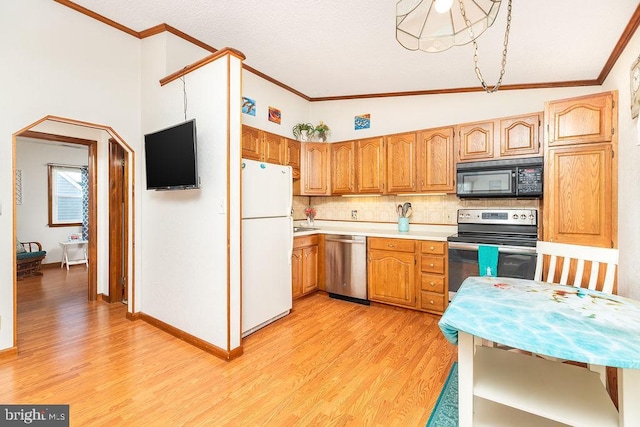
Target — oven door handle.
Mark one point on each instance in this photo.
(524, 250)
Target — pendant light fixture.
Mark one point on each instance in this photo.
(437, 25)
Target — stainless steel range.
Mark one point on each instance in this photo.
(514, 231)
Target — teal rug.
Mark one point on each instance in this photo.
(445, 413)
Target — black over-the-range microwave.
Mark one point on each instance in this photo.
(517, 178)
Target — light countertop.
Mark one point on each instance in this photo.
(371, 229)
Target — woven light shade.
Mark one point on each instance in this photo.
(420, 27)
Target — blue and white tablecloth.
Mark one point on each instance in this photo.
(560, 321)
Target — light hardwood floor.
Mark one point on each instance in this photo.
(329, 363)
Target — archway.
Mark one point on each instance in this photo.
(96, 138)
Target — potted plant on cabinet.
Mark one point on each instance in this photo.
(303, 131)
(322, 130)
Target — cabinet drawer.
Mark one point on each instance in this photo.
(432, 301)
(432, 264)
(399, 245)
(437, 248)
(300, 242)
(432, 283)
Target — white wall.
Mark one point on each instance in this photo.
(183, 245)
(294, 109)
(32, 157)
(628, 174)
(58, 62)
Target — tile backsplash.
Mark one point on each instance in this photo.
(437, 209)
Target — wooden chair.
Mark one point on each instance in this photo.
(581, 254)
(595, 255)
(29, 260)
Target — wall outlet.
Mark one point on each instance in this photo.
(449, 217)
(354, 215)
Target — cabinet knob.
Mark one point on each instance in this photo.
(390, 245)
(432, 302)
(432, 284)
(431, 248)
(431, 265)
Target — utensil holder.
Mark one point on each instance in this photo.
(403, 224)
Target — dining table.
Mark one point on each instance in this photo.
(515, 337)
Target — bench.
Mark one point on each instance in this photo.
(29, 261)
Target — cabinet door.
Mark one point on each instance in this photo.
(401, 163)
(273, 148)
(251, 143)
(579, 194)
(343, 168)
(435, 161)
(310, 269)
(520, 136)
(296, 273)
(476, 141)
(370, 163)
(314, 169)
(292, 157)
(582, 120)
(391, 277)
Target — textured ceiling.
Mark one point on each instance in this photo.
(326, 48)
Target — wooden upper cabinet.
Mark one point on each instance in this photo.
(273, 148)
(582, 120)
(251, 143)
(292, 154)
(370, 164)
(343, 168)
(435, 160)
(515, 136)
(581, 171)
(314, 169)
(520, 136)
(401, 163)
(262, 146)
(579, 196)
(476, 141)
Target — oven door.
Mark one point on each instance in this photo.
(513, 261)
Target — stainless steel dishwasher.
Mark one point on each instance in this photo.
(346, 267)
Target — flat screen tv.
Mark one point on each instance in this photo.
(171, 158)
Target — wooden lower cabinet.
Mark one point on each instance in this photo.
(408, 273)
(304, 265)
(434, 289)
(391, 271)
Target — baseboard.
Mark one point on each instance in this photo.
(195, 341)
(133, 316)
(103, 297)
(8, 352)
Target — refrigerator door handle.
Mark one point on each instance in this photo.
(290, 239)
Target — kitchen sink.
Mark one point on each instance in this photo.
(296, 229)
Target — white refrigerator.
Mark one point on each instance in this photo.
(267, 243)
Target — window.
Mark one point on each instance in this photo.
(65, 196)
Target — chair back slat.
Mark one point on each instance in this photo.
(577, 280)
(552, 268)
(592, 254)
(593, 280)
(564, 276)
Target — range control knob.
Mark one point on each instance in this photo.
(523, 216)
(515, 216)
